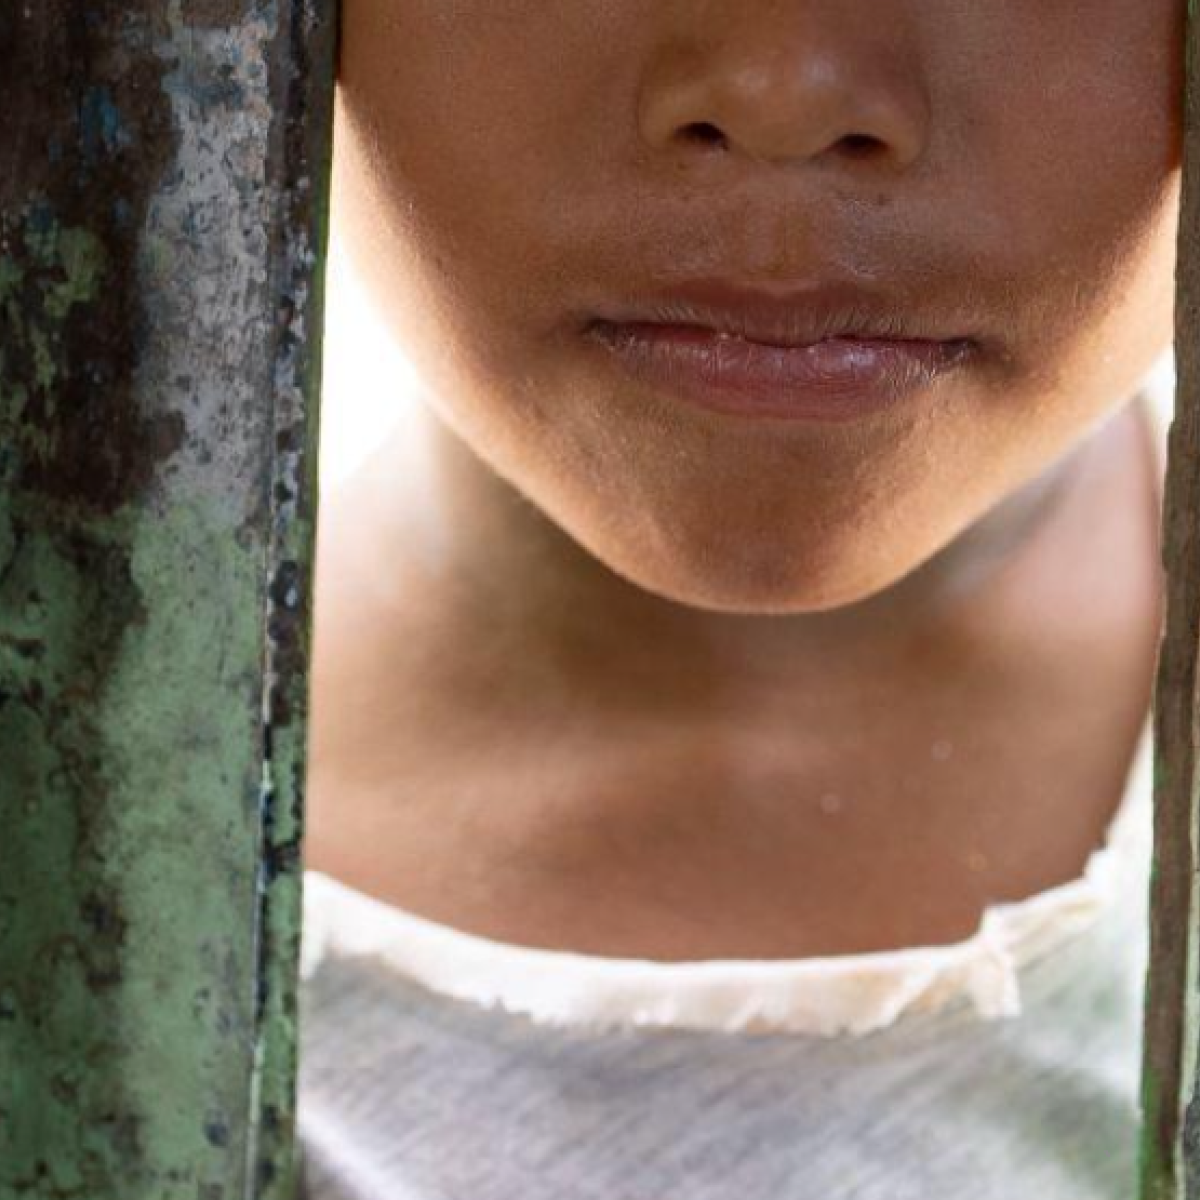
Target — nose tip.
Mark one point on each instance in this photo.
(796, 108)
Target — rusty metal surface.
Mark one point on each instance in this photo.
(163, 183)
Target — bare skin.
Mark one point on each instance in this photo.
(572, 687)
(539, 752)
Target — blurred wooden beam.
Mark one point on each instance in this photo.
(1170, 1150)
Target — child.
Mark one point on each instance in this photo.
(729, 768)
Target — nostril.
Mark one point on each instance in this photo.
(861, 145)
(704, 133)
(853, 145)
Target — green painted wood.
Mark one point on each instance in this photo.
(1170, 1146)
(163, 193)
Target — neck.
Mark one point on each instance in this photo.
(514, 741)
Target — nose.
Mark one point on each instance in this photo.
(794, 88)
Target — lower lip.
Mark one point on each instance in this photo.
(838, 379)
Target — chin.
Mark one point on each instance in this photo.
(769, 580)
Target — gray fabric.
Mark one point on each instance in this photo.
(407, 1095)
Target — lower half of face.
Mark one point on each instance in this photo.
(766, 309)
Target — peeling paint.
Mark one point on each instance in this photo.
(157, 502)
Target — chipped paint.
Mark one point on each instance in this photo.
(162, 230)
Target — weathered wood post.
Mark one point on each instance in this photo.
(163, 197)
(1170, 1151)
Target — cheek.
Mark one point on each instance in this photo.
(473, 116)
(1087, 276)
(1070, 176)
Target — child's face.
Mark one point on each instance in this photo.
(1002, 172)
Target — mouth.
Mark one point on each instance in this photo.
(815, 354)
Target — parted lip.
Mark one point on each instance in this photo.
(783, 314)
(809, 351)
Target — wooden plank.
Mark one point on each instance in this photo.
(1170, 1149)
(163, 196)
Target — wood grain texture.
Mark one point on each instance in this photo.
(163, 193)
(1170, 1149)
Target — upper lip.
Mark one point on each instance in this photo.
(786, 314)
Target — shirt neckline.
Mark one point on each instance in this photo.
(838, 994)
